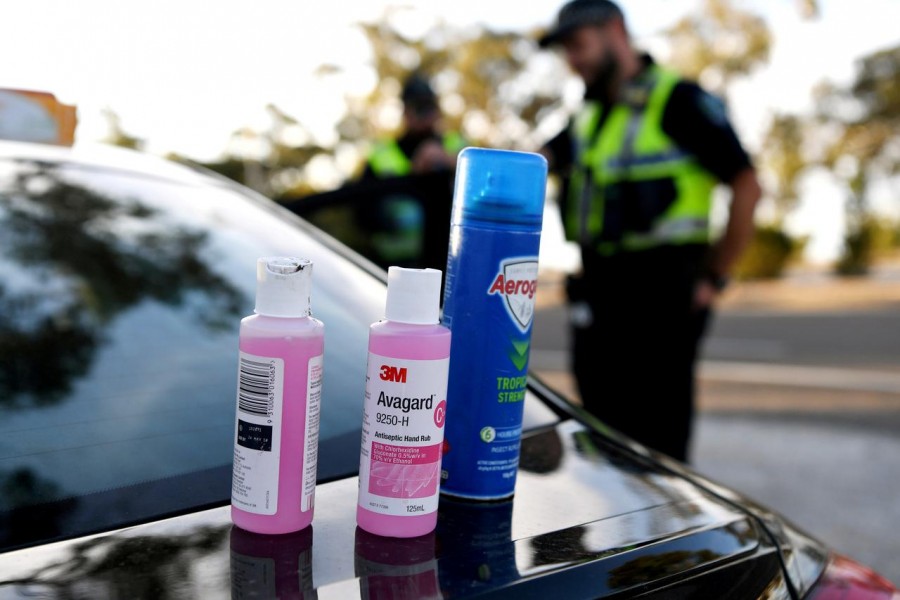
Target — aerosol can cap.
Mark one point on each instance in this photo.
(283, 285)
(500, 187)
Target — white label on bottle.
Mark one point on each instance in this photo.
(402, 435)
(311, 451)
(257, 444)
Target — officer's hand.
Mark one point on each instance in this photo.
(430, 156)
(705, 294)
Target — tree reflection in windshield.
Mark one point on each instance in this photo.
(21, 488)
(78, 258)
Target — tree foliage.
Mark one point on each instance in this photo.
(275, 161)
(719, 43)
(867, 112)
(116, 134)
(491, 89)
(854, 134)
(495, 88)
(784, 160)
(808, 9)
(498, 89)
(864, 118)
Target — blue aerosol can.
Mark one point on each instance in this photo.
(489, 296)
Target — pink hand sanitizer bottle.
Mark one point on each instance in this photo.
(279, 392)
(404, 410)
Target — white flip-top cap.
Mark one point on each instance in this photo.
(413, 296)
(283, 286)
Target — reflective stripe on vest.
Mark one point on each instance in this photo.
(387, 159)
(632, 147)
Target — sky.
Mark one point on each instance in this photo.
(184, 75)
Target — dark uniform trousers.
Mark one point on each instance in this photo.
(635, 360)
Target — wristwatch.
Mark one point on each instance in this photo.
(720, 282)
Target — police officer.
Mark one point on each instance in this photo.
(422, 145)
(640, 163)
(396, 221)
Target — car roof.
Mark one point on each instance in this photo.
(109, 157)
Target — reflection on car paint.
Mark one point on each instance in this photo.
(475, 544)
(271, 566)
(139, 566)
(626, 529)
(396, 568)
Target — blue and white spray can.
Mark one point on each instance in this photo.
(489, 295)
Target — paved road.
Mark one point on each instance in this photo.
(834, 475)
(800, 411)
(867, 339)
(854, 339)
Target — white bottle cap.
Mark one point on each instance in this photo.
(413, 296)
(283, 285)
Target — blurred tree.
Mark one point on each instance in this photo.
(274, 162)
(116, 135)
(495, 87)
(715, 45)
(863, 120)
(718, 43)
(809, 9)
(498, 89)
(770, 252)
(784, 161)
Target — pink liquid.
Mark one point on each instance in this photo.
(295, 341)
(416, 342)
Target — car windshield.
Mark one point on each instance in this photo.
(122, 287)
(121, 295)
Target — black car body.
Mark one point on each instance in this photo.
(122, 283)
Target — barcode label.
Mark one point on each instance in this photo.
(257, 441)
(256, 387)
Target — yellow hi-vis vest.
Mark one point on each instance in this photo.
(631, 151)
(388, 160)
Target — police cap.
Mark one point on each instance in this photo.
(578, 13)
(418, 94)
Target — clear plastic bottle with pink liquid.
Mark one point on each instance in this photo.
(279, 394)
(404, 409)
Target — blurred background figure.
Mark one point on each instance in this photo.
(422, 146)
(641, 161)
(397, 221)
